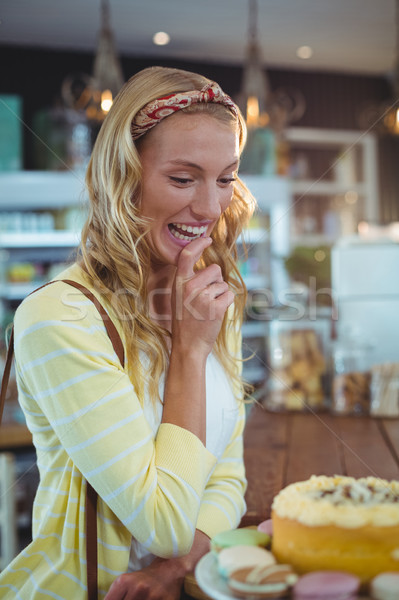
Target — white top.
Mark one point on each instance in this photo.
(221, 418)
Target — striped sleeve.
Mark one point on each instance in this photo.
(223, 502)
(81, 400)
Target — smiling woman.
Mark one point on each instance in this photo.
(159, 437)
(189, 167)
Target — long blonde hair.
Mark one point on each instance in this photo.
(114, 249)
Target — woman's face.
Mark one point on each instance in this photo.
(189, 164)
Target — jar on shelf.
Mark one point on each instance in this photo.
(385, 390)
(351, 385)
(297, 365)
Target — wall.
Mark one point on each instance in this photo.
(333, 100)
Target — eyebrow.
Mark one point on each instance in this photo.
(186, 163)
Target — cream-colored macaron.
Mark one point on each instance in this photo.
(385, 586)
(239, 557)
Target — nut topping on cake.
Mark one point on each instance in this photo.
(356, 492)
(340, 500)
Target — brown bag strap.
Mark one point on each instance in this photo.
(109, 326)
(6, 373)
(91, 494)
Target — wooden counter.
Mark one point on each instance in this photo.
(283, 448)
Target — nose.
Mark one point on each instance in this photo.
(208, 202)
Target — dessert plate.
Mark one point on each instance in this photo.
(209, 580)
(213, 584)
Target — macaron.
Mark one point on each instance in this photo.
(326, 585)
(272, 581)
(241, 557)
(266, 527)
(245, 536)
(385, 586)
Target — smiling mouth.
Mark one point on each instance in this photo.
(186, 232)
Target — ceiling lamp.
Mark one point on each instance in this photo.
(107, 71)
(262, 107)
(255, 85)
(95, 94)
(391, 114)
(384, 118)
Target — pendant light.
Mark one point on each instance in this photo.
(261, 106)
(255, 85)
(107, 71)
(391, 113)
(384, 118)
(95, 94)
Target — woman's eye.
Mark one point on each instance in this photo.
(181, 180)
(227, 180)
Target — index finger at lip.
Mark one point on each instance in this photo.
(190, 255)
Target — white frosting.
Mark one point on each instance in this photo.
(342, 501)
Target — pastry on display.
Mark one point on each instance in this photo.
(338, 523)
(244, 536)
(326, 585)
(351, 393)
(385, 390)
(274, 581)
(385, 586)
(297, 368)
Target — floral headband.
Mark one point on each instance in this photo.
(158, 109)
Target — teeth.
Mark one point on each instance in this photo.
(197, 231)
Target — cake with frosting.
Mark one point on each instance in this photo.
(338, 523)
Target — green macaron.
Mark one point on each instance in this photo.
(244, 536)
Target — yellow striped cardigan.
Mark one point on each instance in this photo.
(88, 424)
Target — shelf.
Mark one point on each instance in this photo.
(18, 291)
(324, 188)
(341, 143)
(28, 190)
(311, 240)
(42, 239)
(254, 236)
(254, 329)
(313, 136)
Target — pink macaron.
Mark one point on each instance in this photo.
(326, 585)
(266, 527)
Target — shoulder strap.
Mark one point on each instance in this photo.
(109, 326)
(91, 494)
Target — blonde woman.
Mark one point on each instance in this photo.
(160, 438)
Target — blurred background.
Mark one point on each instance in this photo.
(318, 83)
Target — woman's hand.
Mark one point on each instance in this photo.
(199, 300)
(159, 581)
(163, 579)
